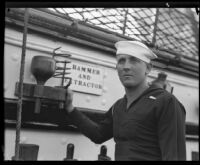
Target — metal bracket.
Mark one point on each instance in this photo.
(40, 91)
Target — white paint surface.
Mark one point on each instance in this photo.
(53, 144)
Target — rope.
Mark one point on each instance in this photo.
(19, 105)
(140, 24)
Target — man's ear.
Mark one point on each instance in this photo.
(149, 67)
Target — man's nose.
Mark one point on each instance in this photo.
(127, 65)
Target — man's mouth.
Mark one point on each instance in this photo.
(127, 75)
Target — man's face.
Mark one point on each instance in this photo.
(131, 70)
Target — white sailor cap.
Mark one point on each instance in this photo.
(135, 49)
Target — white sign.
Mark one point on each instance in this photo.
(86, 78)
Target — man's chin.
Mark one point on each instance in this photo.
(129, 85)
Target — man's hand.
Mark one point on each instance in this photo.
(68, 101)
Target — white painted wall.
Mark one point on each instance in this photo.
(191, 146)
(53, 144)
(185, 89)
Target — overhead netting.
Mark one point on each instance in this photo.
(171, 29)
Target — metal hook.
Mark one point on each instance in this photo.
(54, 51)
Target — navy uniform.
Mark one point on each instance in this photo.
(151, 128)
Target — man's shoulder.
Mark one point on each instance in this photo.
(120, 100)
(165, 98)
(161, 93)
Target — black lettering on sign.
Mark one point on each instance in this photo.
(88, 77)
(100, 86)
(75, 82)
(74, 67)
(84, 84)
(80, 83)
(85, 69)
(88, 85)
(78, 68)
(85, 77)
(89, 70)
(98, 72)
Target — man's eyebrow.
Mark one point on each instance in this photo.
(135, 59)
(120, 58)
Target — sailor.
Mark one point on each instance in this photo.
(148, 123)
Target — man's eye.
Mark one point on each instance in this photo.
(134, 60)
(121, 61)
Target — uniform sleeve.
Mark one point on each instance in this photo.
(97, 132)
(171, 129)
